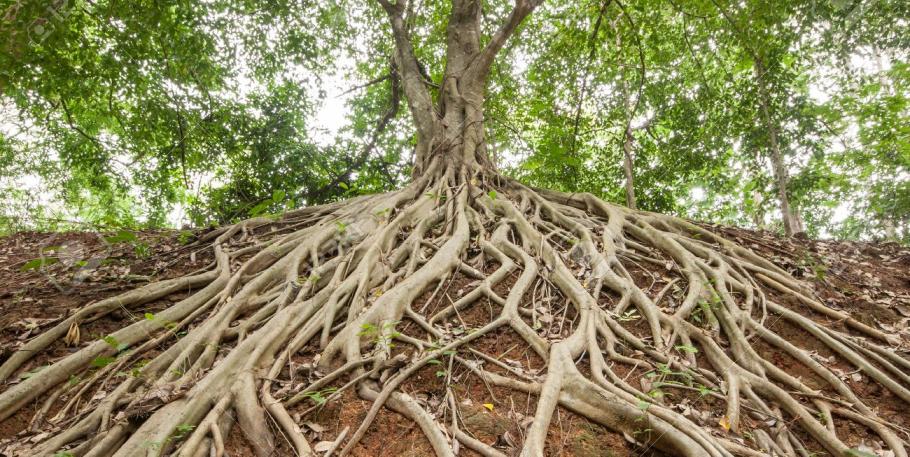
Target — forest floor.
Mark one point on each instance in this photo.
(870, 280)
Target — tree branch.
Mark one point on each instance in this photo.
(521, 10)
(419, 100)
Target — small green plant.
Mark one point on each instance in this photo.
(116, 345)
(687, 349)
(696, 314)
(441, 373)
(320, 397)
(809, 262)
(381, 336)
(822, 419)
(64, 454)
(705, 309)
(142, 249)
(185, 237)
(312, 279)
(181, 431)
(664, 375)
(367, 329)
(136, 370)
(341, 227)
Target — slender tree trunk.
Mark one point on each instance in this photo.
(888, 223)
(627, 167)
(792, 222)
(630, 108)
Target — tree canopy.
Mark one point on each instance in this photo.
(178, 112)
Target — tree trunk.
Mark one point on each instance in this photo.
(630, 108)
(792, 222)
(627, 167)
(451, 134)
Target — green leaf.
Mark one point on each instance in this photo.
(36, 264)
(261, 208)
(123, 236)
(102, 362)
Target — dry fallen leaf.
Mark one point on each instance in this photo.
(314, 427)
(323, 446)
(724, 423)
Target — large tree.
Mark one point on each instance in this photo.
(344, 277)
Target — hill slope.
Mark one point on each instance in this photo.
(868, 280)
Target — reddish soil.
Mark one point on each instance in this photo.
(868, 280)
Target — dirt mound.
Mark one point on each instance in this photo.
(45, 277)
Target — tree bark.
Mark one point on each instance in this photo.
(627, 167)
(631, 108)
(792, 222)
(452, 132)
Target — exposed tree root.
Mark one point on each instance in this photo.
(345, 276)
